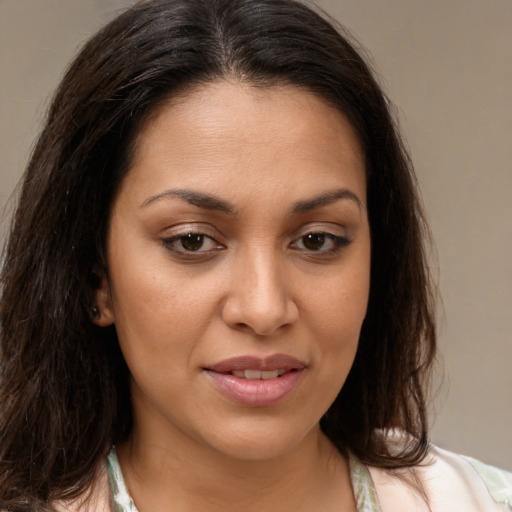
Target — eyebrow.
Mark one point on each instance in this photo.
(211, 202)
(325, 199)
(206, 201)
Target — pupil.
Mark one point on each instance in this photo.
(314, 241)
(192, 242)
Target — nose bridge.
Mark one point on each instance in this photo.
(263, 279)
(260, 296)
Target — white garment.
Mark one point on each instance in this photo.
(452, 483)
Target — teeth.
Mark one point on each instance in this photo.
(258, 374)
(252, 374)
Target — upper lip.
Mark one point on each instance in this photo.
(273, 362)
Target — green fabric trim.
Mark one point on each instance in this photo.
(362, 485)
(497, 481)
(121, 500)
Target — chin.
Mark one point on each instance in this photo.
(259, 439)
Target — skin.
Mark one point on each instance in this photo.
(256, 286)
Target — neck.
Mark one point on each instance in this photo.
(184, 476)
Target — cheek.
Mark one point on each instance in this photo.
(340, 304)
(338, 311)
(146, 288)
(161, 313)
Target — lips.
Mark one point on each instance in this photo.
(254, 381)
(273, 362)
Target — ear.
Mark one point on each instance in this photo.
(102, 311)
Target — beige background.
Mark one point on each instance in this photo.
(447, 64)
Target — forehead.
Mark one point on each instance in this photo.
(232, 105)
(229, 131)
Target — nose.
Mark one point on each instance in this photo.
(259, 298)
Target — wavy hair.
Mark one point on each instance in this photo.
(64, 396)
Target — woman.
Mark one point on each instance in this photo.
(215, 287)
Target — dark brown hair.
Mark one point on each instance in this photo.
(64, 396)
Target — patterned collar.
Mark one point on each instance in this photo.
(364, 491)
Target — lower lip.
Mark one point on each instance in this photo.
(255, 392)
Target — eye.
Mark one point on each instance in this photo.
(320, 242)
(192, 243)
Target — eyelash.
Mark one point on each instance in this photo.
(194, 237)
(337, 243)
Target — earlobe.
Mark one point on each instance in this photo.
(102, 313)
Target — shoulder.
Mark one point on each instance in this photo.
(451, 482)
(98, 499)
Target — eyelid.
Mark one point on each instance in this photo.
(335, 232)
(338, 241)
(199, 228)
(329, 228)
(175, 233)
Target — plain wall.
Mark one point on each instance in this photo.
(447, 65)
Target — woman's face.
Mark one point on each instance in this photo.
(239, 263)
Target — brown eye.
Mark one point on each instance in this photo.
(314, 241)
(192, 241)
(192, 245)
(322, 243)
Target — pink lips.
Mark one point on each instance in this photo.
(257, 392)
